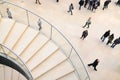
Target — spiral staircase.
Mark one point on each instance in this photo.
(43, 57)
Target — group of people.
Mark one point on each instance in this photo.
(85, 32)
(110, 39)
(92, 5)
(104, 36)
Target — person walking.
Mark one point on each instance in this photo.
(39, 24)
(9, 13)
(87, 23)
(116, 42)
(84, 34)
(106, 3)
(57, 0)
(86, 2)
(110, 38)
(95, 5)
(37, 1)
(105, 35)
(94, 64)
(90, 5)
(81, 2)
(71, 7)
(118, 2)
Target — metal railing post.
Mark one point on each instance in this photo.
(2, 48)
(70, 52)
(50, 36)
(27, 18)
(51, 33)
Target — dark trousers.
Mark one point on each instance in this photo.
(103, 38)
(70, 12)
(86, 24)
(37, 1)
(80, 7)
(82, 37)
(90, 7)
(113, 45)
(57, 0)
(92, 64)
(108, 42)
(85, 4)
(105, 7)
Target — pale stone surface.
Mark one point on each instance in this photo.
(91, 48)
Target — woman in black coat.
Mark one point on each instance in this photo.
(81, 2)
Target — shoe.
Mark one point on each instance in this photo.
(95, 69)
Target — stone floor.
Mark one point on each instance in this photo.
(71, 25)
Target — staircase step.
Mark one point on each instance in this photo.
(70, 76)
(15, 75)
(1, 73)
(35, 46)
(22, 77)
(16, 32)
(5, 27)
(27, 37)
(60, 70)
(8, 72)
(49, 63)
(41, 55)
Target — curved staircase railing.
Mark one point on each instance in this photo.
(14, 61)
(29, 18)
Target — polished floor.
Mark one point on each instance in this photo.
(71, 25)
